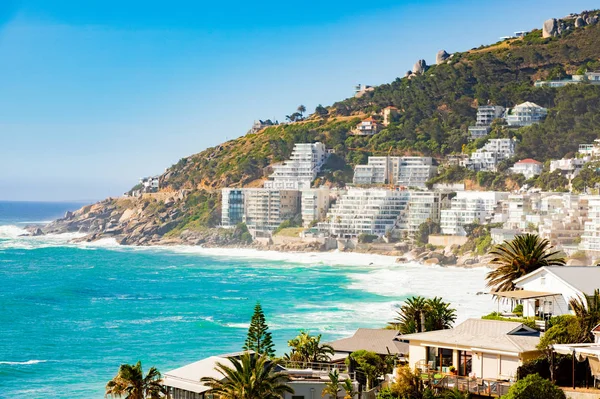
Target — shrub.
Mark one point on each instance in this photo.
(366, 238)
(535, 387)
(529, 322)
(518, 310)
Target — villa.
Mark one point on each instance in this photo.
(528, 168)
(307, 380)
(368, 127)
(475, 348)
(526, 114)
(546, 292)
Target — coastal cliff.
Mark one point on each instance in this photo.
(436, 106)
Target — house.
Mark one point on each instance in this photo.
(390, 114)
(488, 157)
(150, 184)
(528, 168)
(476, 348)
(381, 341)
(526, 114)
(307, 380)
(589, 351)
(546, 292)
(368, 127)
(486, 114)
(570, 167)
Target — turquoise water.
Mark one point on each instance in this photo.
(70, 314)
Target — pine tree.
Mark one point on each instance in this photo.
(259, 338)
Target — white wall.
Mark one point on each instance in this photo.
(416, 352)
(311, 390)
(548, 282)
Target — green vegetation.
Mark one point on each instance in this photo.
(425, 230)
(259, 338)
(419, 314)
(131, 383)
(370, 365)
(529, 322)
(479, 238)
(534, 387)
(308, 348)
(365, 238)
(251, 377)
(516, 258)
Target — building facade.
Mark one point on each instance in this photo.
(232, 207)
(301, 169)
(486, 114)
(469, 207)
(400, 171)
(315, 204)
(527, 167)
(526, 114)
(423, 206)
(266, 209)
(488, 157)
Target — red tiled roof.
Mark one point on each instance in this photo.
(529, 160)
(369, 119)
(596, 329)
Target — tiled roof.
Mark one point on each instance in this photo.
(529, 160)
(380, 341)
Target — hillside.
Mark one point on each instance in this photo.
(436, 107)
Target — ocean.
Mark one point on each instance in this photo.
(70, 314)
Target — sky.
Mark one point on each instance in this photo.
(96, 94)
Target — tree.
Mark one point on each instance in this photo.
(408, 383)
(130, 383)
(425, 230)
(455, 394)
(308, 348)
(301, 110)
(321, 111)
(419, 314)
(587, 314)
(249, 377)
(369, 364)
(516, 258)
(332, 387)
(349, 389)
(534, 387)
(259, 338)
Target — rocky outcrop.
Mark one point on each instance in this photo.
(551, 28)
(580, 22)
(420, 67)
(441, 56)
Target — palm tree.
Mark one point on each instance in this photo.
(308, 348)
(587, 313)
(131, 383)
(332, 388)
(516, 258)
(251, 377)
(440, 315)
(301, 109)
(411, 316)
(349, 388)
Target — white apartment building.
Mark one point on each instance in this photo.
(592, 150)
(590, 239)
(469, 207)
(266, 209)
(365, 211)
(569, 167)
(232, 207)
(494, 151)
(485, 116)
(526, 114)
(518, 207)
(563, 218)
(400, 171)
(422, 206)
(301, 169)
(527, 167)
(314, 204)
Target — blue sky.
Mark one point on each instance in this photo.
(96, 94)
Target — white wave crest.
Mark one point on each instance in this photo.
(11, 231)
(24, 363)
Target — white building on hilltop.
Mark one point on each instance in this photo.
(527, 167)
(365, 211)
(400, 171)
(301, 169)
(469, 207)
(150, 184)
(486, 114)
(526, 114)
(494, 151)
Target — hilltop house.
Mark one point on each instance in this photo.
(368, 127)
(528, 168)
(486, 114)
(526, 114)
(546, 292)
(476, 348)
(307, 380)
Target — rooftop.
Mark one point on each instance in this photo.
(380, 341)
(484, 334)
(528, 161)
(583, 278)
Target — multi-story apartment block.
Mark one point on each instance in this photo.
(266, 209)
(469, 207)
(422, 206)
(590, 239)
(526, 114)
(494, 151)
(401, 171)
(232, 207)
(301, 169)
(486, 114)
(365, 211)
(315, 204)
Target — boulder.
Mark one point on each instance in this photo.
(441, 56)
(432, 261)
(419, 67)
(551, 28)
(580, 22)
(37, 232)
(401, 246)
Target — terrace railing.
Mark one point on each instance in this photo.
(478, 386)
